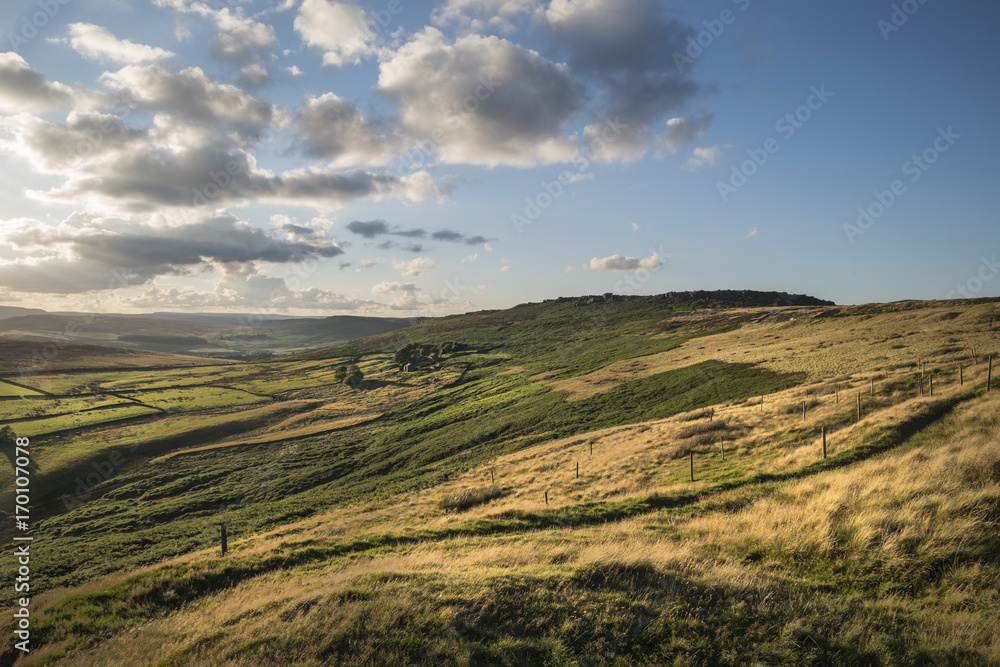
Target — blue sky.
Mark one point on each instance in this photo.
(604, 153)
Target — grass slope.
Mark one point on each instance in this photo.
(472, 514)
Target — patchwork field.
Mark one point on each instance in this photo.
(622, 482)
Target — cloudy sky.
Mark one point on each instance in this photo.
(406, 157)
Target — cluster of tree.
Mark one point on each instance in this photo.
(412, 352)
(349, 375)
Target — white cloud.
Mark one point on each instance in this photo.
(635, 227)
(504, 269)
(25, 89)
(482, 100)
(97, 43)
(332, 127)
(192, 95)
(702, 157)
(338, 29)
(682, 131)
(623, 263)
(751, 234)
(415, 268)
(623, 50)
(242, 41)
(382, 289)
(484, 15)
(470, 258)
(87, 252)
(294, 70)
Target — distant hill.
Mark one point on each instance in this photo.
(19, 356)
(204, 336)
(16, 311)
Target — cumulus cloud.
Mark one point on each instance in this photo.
(483, 100)
(181, 164)
(703, 157)
(86, 253)
(485, 15)
(263, 293)
(242, 41)
(382, 289)
(624, 263)
(415, 268)
(624, 49)
(331, 127)
(191, 95)
(338, 29)
(25, 89)
(682, 131)
(95, 42)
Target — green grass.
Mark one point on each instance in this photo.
(45, 407)
(45, 425)
(195, 398)
(8, 389)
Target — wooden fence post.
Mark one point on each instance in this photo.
(803, 410)
(225, 539)
(592, 449)
(989, 375)
(492, 480)
(546, 497)
(722, 446)
(578, 470)
(824, 442)
(838, 392)
(961, 376)
(859, 406)
(930, 381)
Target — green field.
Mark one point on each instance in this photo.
(529, 499)
(7, 389)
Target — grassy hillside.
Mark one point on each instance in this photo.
(529, 498)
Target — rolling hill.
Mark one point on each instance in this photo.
(205, 335)
(716, 478)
